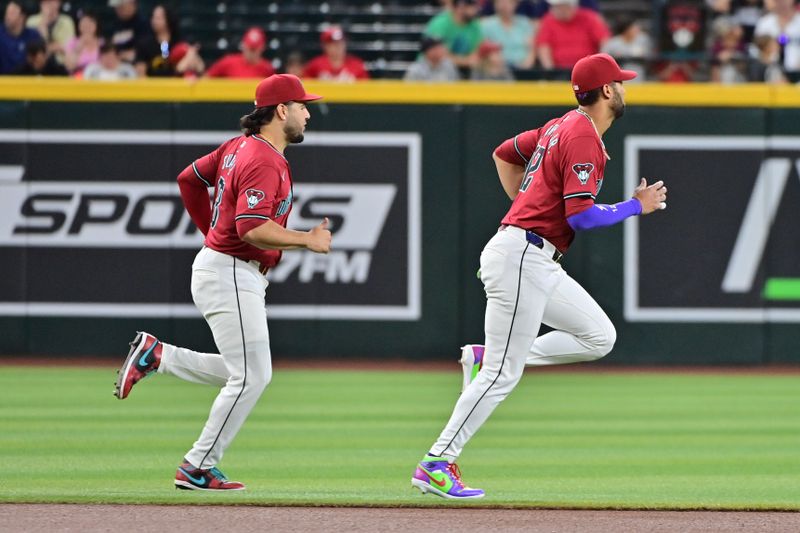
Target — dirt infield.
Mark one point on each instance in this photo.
(36, 517)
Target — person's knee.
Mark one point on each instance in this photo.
(603, 339)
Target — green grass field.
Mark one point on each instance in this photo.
(325, 437)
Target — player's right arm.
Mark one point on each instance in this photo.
(194, 182)
(511, 158)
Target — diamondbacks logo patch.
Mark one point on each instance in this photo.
(253, 197)
(583, 171)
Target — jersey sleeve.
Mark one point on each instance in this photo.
(519, 149)
(582, 166)
(205, 168)
(255, 200)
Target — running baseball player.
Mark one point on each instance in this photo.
(245, 233)
(553, 175)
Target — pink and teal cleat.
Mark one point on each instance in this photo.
(143, 359)
(437, 476)
(472, 362)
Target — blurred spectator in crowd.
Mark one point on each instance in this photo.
(766, 66)
(458, 27)
(744, 12)
(513, 32)
(535, 9)
(248, 63)
(109, 66)
(491, 64)
(56, 28)
(184, 60)
(162, 53)
(14, 37)
(335, 64)
(630, 46)
(295, 64)
(676, 70)
(783, 25)
(568, 33)
(85, 48)
(728, 52)
(39, 63)
(433, 63)
(128, 28)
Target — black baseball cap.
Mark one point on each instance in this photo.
(428, 42)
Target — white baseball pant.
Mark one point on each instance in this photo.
(229, 293)
(524, 288)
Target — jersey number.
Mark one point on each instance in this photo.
(533, 166)
(217, 201)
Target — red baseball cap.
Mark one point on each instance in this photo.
(282, 88)
(178, 52)
(596, 70)
(332, 34)
(488, 47)
(254, 38)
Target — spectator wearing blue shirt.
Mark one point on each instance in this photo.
(514, 33)
(14, 37)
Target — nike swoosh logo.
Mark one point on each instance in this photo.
(198, 481)
(433, 478)
(143, 358)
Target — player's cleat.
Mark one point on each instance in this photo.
(190, 478)
(437, 476)
(471, 362)
(143, 359)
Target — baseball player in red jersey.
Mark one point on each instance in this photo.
(553, 175)
(245, 234)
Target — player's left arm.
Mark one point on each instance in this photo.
(583, 164)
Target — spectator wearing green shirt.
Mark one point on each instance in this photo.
(460, 31)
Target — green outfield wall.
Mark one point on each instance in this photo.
(94, 244)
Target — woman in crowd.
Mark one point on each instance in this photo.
(85, 48)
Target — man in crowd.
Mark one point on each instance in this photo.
(433, 64)
(248, 63)
(335, 64)
(460, 30)
(128, 28)
(14, 37)
(567, 33)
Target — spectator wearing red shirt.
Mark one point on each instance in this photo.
(249, 63)
(335, 64)
(567, 33)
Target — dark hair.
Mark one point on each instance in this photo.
(23, 7)
(172, 21)
(34, 47)
(623, 23)
(589, 97)
(251, 124)
(98, 32)
(108, 47)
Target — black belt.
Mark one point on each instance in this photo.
(262, 268)
(538, 242)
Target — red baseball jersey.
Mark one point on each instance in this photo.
(252, 184)
(235, 66)
(564, 164)
(320, 68)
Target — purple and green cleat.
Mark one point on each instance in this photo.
(471, 361)
(439, 477)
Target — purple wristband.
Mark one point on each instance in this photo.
(601, 215)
